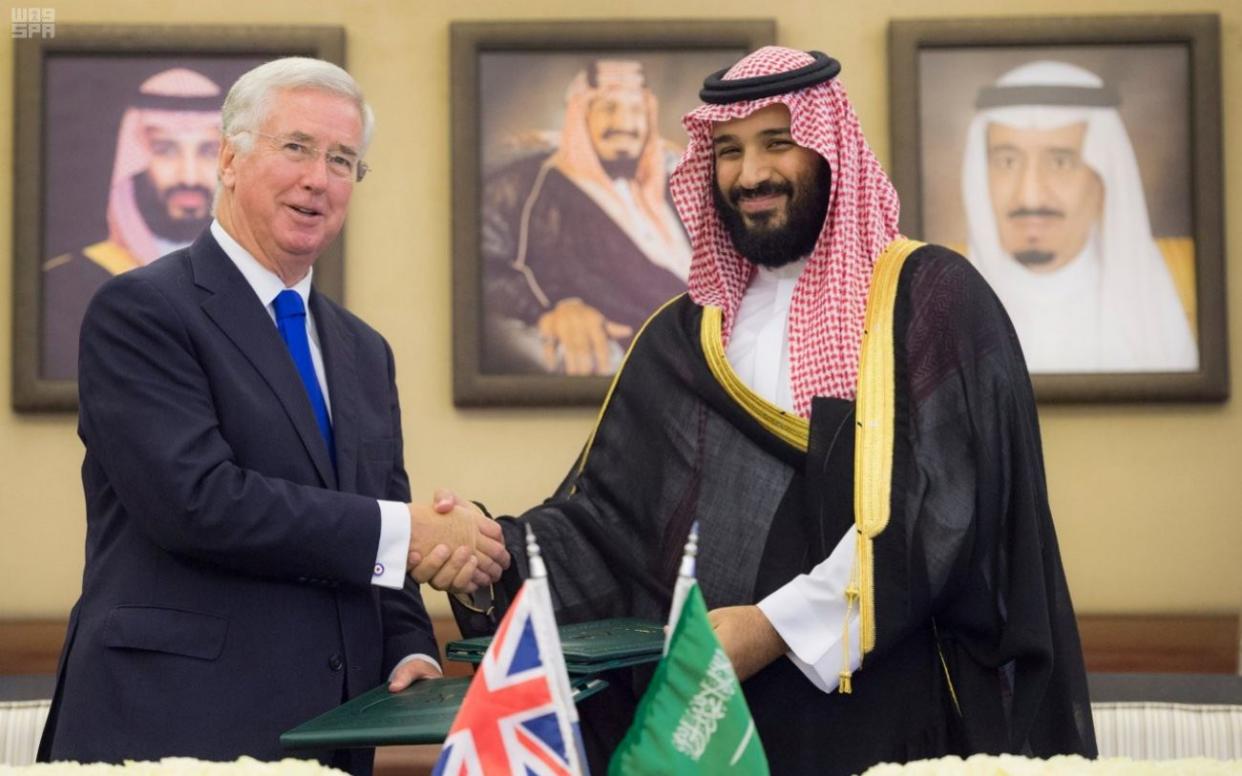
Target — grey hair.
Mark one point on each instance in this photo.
(248, 102)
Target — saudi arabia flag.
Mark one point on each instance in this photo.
(693, 718)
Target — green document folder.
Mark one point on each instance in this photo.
(589, 647)
(420, 714)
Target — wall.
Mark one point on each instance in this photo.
(1146, 498)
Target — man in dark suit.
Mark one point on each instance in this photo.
(247, 532)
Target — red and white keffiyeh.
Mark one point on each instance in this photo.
(829, 301)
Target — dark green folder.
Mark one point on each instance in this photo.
(589, 647)
(420, 714)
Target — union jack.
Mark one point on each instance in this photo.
(518, 717)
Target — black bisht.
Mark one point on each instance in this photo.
(976, 646)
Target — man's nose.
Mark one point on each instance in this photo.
(756, 169)
(193, 172)
(315, 173)
(1031, 185)
(625, 121)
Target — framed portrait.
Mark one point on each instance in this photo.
(1077, 163)
(117, 134)
(564, 235)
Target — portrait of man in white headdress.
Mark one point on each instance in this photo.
(579, 239)
(1063, 234)
(161, 176)
(1061, 219)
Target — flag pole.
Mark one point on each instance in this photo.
(558, 677)
(685, 581)
(533, 557)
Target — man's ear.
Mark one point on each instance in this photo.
(226, 171)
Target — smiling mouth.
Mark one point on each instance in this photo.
(306, 211)
(760, 204)
(187, 199)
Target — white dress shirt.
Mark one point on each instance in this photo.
(394, 540)
(808, 611)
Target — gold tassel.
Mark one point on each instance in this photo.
(851, 597)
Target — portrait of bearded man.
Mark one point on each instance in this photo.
(159, 199)
(1068, 177)
(579, 238)
(1059, 225)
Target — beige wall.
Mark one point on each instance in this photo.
(1146, 498)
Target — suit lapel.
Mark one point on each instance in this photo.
(336, 342)
(234, 308)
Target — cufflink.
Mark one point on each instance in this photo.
(378, 570)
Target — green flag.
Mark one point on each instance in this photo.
(693, 718)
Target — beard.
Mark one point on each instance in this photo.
(624, 167)
(775, 246)
(153, 205)
(1034, 258)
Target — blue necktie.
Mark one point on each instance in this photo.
(291, 320)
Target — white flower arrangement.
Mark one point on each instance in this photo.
(177, 766)
(1061, 765)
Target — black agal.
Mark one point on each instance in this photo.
(717, 91)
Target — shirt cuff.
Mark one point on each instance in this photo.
(809, 614)
(394, 545)
(416, 656)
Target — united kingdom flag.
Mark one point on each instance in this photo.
(518, 716)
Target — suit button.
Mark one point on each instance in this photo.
(335, 662)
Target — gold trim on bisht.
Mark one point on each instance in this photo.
(873, 442)
(793, 429)
(1179, 257)
(111, 257)
(613, 385)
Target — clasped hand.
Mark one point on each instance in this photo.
(454, 546)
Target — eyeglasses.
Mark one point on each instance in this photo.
(340, 164)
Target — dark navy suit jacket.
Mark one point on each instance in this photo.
(227, 594)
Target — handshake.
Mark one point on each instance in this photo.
(454, 546)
